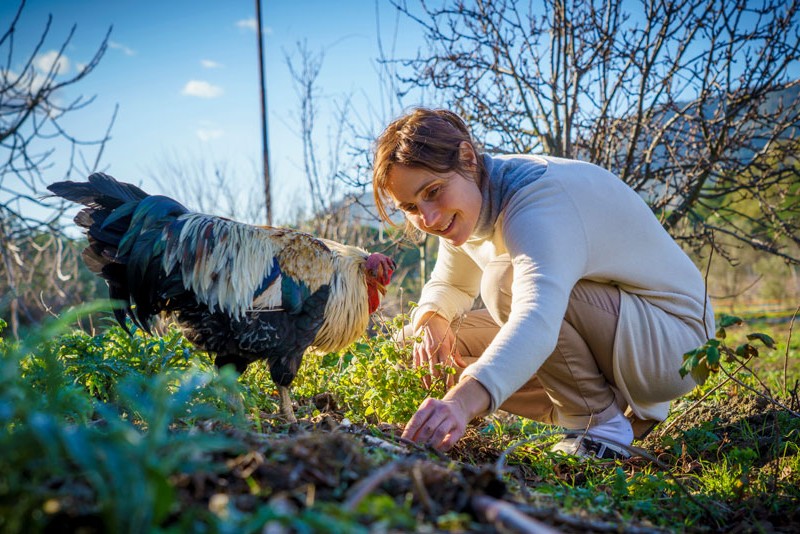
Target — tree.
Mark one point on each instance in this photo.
(683, 102)
(32, 135)
(335, 182)
(209, 185)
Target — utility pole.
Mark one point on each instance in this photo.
(263, 93)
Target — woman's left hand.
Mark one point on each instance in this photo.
(441, 423)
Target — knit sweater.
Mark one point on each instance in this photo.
(562, 221)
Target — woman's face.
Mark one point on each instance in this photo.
(445, 204)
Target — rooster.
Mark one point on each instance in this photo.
(242, 292)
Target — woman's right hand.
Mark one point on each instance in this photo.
(436, 349)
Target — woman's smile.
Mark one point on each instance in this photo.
(443, 229)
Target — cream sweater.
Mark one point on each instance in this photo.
(562, 221)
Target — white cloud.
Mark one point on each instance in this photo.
(247, 24)
(202, 89)
(51, 60)
(210, 64)
(31, 81)
(208, 134)
(124, 49)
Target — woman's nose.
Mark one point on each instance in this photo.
(429, 213)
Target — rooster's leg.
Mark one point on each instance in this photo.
(286, 404)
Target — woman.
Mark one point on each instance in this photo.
(590, 304)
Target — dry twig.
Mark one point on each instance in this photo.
(367, 485)
(786, 355)
(505, 516)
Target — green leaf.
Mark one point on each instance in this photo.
(690, 360)
(726, 320)
(695, 363)
(346, 359)
(330, 360)
(764, 338)
(712, 356)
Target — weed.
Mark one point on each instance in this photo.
(373, 379)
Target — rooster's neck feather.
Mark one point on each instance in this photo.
(225, 262)
(347, 311)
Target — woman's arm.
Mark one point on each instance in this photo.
(454, 284)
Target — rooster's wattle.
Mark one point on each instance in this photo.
(240, 291)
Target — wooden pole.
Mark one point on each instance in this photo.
(263, 93)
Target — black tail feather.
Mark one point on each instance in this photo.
(101, 191)
(124, 226)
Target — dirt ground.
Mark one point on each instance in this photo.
(326, 459)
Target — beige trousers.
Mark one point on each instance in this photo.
(575, 387)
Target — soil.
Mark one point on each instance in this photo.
(328, 459)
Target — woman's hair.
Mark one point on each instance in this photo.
(423, 138)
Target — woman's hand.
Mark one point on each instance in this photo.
(437, 349)
(441, 423)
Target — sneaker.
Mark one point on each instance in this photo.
(584, 446)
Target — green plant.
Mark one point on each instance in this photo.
(704, 360)
(110, 462)
(373, 378)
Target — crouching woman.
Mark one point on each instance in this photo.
(589, 303)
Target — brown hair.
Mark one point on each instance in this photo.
(423, 138)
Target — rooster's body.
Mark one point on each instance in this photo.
(243, 292)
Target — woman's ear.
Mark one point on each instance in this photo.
(467, 155)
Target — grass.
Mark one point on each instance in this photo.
(139, 434)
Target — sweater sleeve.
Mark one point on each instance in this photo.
(545, 238)
(453, 286)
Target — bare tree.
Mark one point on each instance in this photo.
(694, 104)
(336, 189)
(32, 136)
(210, 186)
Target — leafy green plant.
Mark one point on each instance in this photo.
(373, 378)
(66, 449)
(704, 360)
(99, 362)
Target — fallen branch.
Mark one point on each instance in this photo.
(580, 524)
(422, 491)
(367, 485)
(504, 515)
(383, 444)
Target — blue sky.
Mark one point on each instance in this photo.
(184, 73)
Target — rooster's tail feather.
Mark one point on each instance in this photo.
(124, 226)
(101, 191)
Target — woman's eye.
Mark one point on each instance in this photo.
(432, 192)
